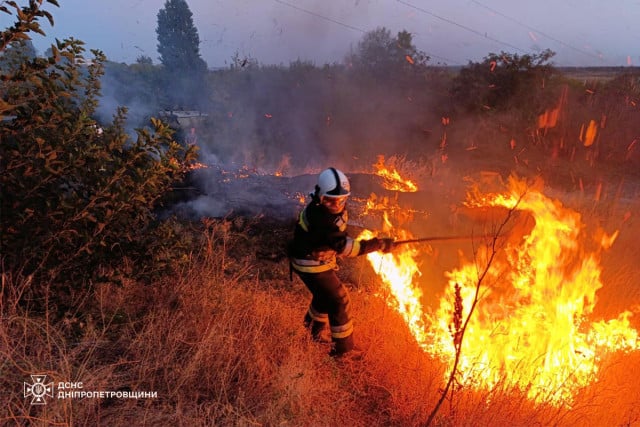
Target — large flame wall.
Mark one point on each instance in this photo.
(526, 301)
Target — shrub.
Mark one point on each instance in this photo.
(79, 198)
(505, 81)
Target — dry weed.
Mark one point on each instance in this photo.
(221, 346)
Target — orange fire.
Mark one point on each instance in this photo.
(529, 329)
(392, 179)
(398, 270)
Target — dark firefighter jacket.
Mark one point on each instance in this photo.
(320, 236)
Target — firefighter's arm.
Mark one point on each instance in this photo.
(357, 247)
(338, 241)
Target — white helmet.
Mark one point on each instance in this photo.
(332, 183)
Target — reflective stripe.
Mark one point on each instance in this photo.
(310, 262)
(313, 266)
(356, 248)
(303, 220)
(342, 331)
(318, 317)
(352, 248)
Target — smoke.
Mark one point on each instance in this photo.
(115, 94)
(265, 124)
(295, 121)
(320, 116)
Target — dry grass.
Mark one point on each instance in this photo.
(222, 344)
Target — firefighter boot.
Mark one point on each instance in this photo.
(345, 349)
(318, 330)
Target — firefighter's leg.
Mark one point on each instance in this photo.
(316, 319)
(316, 323)
(339, 312)
(331, 297)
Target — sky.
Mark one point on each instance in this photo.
(451, 32)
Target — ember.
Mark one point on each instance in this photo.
(197, 165)
(588, 136)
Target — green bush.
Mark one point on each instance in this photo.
(78, 197)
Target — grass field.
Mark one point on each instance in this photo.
(602, 74)
(222, 344)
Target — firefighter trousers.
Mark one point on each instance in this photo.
(330, 302)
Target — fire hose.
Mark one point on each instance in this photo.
(443, 238)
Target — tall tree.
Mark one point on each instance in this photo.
(178, 40)
(178, 45)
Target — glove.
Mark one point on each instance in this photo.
(386, 245)
(376, 244)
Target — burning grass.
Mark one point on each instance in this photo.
(516, 316)
(222, 344)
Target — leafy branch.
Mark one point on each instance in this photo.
(79, 197)
(28, 17)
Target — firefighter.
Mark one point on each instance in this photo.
(319, 237)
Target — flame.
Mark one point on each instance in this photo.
(392, 179)
(397, 270)
(529, 328)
